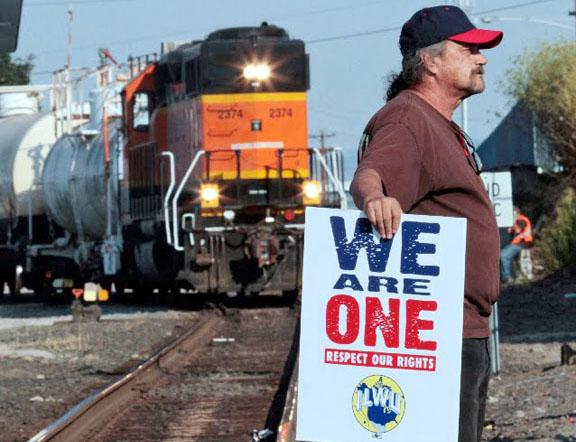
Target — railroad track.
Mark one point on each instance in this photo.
(218, 382)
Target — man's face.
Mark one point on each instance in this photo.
(461, 69)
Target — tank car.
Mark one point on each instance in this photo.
(26, 137)
(56, 191)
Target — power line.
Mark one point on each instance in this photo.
(313, 41)
(519, 5)
(397, 28)
(74, 2)
(358, 34)
(333, 9)
(187, 31)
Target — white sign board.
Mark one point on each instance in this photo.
(381, 331)
(499, 188)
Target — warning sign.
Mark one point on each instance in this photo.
(499, 188)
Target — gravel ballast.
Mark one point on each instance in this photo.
(49, 363)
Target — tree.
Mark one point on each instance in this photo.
(15, 72)
(558, 239)
(544, 80)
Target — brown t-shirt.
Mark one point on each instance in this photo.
(422, 162)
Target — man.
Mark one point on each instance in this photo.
(522, 238)
(414, 159)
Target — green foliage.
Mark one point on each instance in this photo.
(14, 72)
(545, 81)
(558, 238)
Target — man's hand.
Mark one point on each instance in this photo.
(384, 213)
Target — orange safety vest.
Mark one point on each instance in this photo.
(522, 230)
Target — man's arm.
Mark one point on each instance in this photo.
(382, 211)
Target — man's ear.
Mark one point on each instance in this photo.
(429, 62)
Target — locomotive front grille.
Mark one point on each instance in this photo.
(255, 193)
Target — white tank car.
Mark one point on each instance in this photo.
(26, 137)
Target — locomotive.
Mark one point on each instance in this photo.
(200, 182)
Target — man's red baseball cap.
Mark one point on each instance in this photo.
(433, 25)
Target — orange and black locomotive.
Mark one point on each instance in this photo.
(218, 167)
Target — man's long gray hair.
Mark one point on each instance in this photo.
(412, 70)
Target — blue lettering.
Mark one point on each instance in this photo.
(348, 282)
(411, 248)
(348, 251)
(376, 282)
(412, 285)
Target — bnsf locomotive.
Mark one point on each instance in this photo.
(201, 184)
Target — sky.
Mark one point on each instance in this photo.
(353, 46)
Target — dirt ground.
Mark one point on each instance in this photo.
(47, 369)
(534, 396)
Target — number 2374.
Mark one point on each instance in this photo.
(280, 112)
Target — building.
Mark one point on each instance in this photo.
(517, 145)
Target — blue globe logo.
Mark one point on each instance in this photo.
(378, 404)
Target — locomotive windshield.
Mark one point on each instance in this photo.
(229, 67)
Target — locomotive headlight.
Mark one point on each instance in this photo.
(312, 192)
(250, 72)
(262, 72)
(209, 195)
(229, 215)
(257, 72)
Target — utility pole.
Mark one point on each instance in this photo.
(69, 71)
(466, 6)
(322, 137)
(573, 13)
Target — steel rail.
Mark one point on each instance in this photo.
(72, 424)
(287, 429)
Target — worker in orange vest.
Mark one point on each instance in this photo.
(522, 238)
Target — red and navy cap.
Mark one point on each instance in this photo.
(433, 25)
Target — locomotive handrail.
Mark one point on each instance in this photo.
(193, 163)
(175, 238)
(166, 204)
(336, 182)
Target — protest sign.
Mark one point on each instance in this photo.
(381, 330)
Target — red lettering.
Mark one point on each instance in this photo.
(414, 324)
(376, 318)
(333, 319)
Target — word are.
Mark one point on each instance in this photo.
(410, 286)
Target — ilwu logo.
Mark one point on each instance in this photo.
(378, 404)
